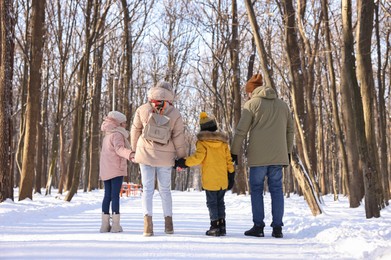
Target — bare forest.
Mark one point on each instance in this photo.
(64, 64)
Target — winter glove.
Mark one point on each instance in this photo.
(234, 158)
(180, 163)
(289, 158)
(231, 180)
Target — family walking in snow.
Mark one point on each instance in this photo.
(158, 144)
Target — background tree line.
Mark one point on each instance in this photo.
(65, 64)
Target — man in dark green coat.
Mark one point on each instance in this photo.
(269, 123)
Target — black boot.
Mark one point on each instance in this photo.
(255, 231)
(277, 232)
(214, 229)
(223, 230)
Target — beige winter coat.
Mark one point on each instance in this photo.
(152, 153)
(269, 123)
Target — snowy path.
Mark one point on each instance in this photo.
(49, 228)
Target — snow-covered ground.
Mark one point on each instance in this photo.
(50, 228)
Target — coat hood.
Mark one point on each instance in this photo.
(264, 92)
(109, 125)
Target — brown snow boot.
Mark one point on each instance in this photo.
(105, 227)
(168, 226)
(148, 226)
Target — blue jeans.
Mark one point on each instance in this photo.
(112, 189)
(274, 181)
(215, 204)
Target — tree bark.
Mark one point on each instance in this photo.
(95, 126)
(373, 189)
(349, 107)
(266, 68)
(7, 38)
(333, 90)
(382, 113)
(94, 25)
(33, 99)
(240, 186)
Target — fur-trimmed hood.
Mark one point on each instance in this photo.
(212, 136)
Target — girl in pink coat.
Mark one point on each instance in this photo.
(113, 167)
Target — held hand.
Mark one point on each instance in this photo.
(234, 158)
(181, 163)
(131, 156)
(231, 180)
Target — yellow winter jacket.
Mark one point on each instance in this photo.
(212, 152)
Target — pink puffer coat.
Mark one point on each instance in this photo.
(114, 154)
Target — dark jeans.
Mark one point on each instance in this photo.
(112, 189)
(215, 204)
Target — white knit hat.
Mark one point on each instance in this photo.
(117, 116)
(162, 91)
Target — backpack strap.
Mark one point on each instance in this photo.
(162, 110)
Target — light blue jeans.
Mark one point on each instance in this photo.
(274, 181)
(148, 176)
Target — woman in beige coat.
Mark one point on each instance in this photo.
(157, 159)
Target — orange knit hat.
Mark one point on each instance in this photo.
(254, 82)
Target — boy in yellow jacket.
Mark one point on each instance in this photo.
(212, 152)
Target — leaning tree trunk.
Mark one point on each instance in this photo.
(7, 38)
(92, 28)
(74, 165)
(297, 79)
(266, 68)
(298, 100)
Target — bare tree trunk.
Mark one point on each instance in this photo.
(306, 185)
(297, 79)
(266, 68)
(348, 84)
(40, 162)
(74, 165)
(95, 126)
(7, 38)
(241, 181)
(33, 99)
(382, 114)
(93, 27)
(373, 189)
(333, 90)
(23, 95)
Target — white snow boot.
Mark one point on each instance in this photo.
(105, 227)
(116, 226)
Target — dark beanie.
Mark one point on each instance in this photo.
(207, 123)
(254, 82)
